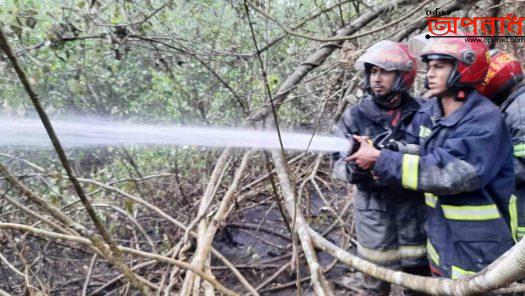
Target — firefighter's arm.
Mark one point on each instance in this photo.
(466, 161)
(341, 169)
(515, 121)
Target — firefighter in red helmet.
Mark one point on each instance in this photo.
(389, 221)
(505, 87)
(464, 165)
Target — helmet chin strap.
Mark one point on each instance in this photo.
(452, 84)
(386, 101)
(461, 95)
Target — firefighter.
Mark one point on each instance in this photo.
(464, 164)
(389, 222)
(504, 85)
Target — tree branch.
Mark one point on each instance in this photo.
(114, 256)
(510, 268)
(205, 238)
(342, 38)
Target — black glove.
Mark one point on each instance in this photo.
(356, 175)
(393, 145)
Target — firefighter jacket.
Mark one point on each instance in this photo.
(465, 169)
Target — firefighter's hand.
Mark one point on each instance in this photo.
(366, 156)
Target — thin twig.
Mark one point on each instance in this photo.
(88, 276)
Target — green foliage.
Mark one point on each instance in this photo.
(107, 73)
(157, 61)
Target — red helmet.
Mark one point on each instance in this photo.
(471, 59)
(391, 56)
(504, 72)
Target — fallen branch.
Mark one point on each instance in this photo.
(507, 270)
(321, 285)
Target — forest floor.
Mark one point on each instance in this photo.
(258, 240)
(254, 238)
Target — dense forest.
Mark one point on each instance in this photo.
(170, 220)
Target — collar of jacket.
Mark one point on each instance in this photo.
(433, 108)
(377, 114)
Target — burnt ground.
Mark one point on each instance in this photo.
(258, 241)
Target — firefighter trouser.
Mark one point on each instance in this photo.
(390, 232)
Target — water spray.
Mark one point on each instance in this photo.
(85, 132)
